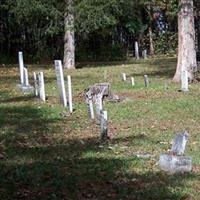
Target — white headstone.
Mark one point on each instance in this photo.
(184, 81)
(132, 81)
(144, 54)
(41, 86)
(99, 106)
(104, 124)
(123, 76)
(70, 93)
(35, 84)
(26, 82)
(146, 81)
(90, 109)
(21, 67)
(60, 82)
(137, 51)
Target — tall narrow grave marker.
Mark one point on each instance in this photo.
(41, 86)
(184, 81)
(137, 51)
(60, 82)
(70, 93)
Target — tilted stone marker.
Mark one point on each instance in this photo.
(184, 81)
(175, 161)
(36, 86)
(132, 81)
(60, 82)
(104, 125)
(123, 77)
(137, 51)
(146, 81)
(41, 86)
(70, 93)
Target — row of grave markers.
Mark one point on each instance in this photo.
(184, 81)
(39, 83)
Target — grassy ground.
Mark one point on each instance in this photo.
(46, 153)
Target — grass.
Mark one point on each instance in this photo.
(47, 154)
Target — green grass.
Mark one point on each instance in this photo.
(48, 154)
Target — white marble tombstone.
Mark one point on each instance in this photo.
(21, 67)
(146, 81)
(144, 54)
(26, 81)
(60, 82)
(123, 77)
(91, 109)
(132, 81)
(104, 124)
(99, 106)
(41, 86)
(69, 93)
(137, 51)
(184, 81)
(35, 81)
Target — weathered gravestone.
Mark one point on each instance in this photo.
(123, 77)
(60, 82)
(146, 81)
(144, 54)
(99, 107)
(104, 125)
(41, 86)
(24, 85)
(184, 81)
(132, 81)
(69, 83)
(175, 161)
(137, 51)
(90, 109)
(36, 86)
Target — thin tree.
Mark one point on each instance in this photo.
(69, 45)
(186, 41)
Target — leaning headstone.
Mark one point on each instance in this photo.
(35, 80)
(100, 88)
(146, 81)
(179, 143)
(41, 86)
(60, 82)
(123, 77)
(144, 54)
(104, 125)
(175, 161)
(137, 51)
(184, 81)
(70, 94)
(132, 81)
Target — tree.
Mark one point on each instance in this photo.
(186, 41)
(69, 43)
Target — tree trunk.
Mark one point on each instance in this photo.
(69, 47)
(186, 41)
(152, 51)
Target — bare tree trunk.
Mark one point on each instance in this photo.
(186, 41)
(69, 47)
(152, 51)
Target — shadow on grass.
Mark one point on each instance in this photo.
(72, 169)
(16, 99)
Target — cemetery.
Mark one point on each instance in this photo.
(123, 129)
